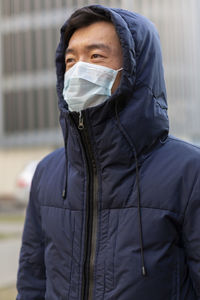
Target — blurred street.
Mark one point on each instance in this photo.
(9, 255)
(11, 226)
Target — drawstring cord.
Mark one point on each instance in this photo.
(64, 192)
(121, 128)
(144, 273)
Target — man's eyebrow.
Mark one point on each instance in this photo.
(98, 46)
(69, 50)
(90, 47)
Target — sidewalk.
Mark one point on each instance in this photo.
(9, 255)
(11, 227)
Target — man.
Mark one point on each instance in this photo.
(115, 214)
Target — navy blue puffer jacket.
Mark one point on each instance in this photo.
(115, 214)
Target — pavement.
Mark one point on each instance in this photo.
(10, 243)
(11, 228)
(9, 255)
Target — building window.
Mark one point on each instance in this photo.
(32, 50)
(29, 110)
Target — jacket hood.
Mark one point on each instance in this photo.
(140, 100)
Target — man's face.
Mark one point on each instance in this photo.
(98, 44)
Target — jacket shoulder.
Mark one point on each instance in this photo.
(52, 159)
(185, 157)
(48, 180)
(49, 165)
(183, 147)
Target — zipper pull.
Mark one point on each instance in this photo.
(80, 122)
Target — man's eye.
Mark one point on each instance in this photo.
(95, 55)
(69, 60)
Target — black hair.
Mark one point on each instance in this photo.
(84, 17)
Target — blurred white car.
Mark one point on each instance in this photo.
(23, 182)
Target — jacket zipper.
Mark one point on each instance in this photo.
(91, 213)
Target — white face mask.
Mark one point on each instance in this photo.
(87, 85)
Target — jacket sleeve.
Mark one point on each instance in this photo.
(191, 236)
(31, 280)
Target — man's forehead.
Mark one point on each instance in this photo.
(98, 32)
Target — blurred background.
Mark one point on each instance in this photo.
(29, 127)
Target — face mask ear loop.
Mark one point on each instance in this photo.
(64, 192)
(124, 133)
